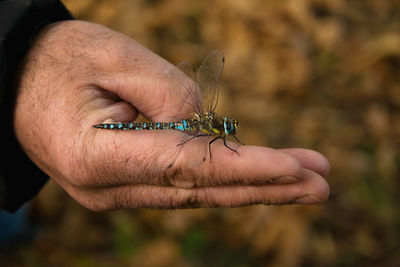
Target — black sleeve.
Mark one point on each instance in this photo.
(20, 20)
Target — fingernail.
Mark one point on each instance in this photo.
(283, 180)
(307, 200)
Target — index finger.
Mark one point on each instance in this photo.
(254, 165)
(151, 84)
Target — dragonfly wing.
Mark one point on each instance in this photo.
(187, 69)
(171, 144)
(184, 89)
(195, 151)
(183, 92)
(193, 91)
(207, 77)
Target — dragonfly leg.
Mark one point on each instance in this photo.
(238, 140)
(199, 135)
(191, 138)
(229, 147)
(209, 144)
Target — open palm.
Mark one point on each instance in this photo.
(79, 74)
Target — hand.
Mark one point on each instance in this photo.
(78, 74)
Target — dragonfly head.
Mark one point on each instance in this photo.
(230, 126)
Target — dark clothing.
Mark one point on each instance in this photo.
(20, 21)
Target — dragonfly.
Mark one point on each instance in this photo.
(203, 122)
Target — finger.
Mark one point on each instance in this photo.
(310, 159)
(311, 189)
(253, 166)
(127, 157)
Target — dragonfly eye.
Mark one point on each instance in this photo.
(227, 125)
(233, 127)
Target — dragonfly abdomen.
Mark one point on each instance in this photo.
(135, 126)
(188, 126)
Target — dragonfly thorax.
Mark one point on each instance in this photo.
(211, 123)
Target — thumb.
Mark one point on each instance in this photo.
(148, 83)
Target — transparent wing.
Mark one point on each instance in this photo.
(192, 89)
(195, 150)
(166, 145)
(182, 89)
(207, 78)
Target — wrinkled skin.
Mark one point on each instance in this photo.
(78, 74)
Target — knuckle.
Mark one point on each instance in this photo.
(293, 167)
(97, 207)
(180, 176)
(186, 200)
(94, 200)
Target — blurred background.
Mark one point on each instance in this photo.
(323, 75)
